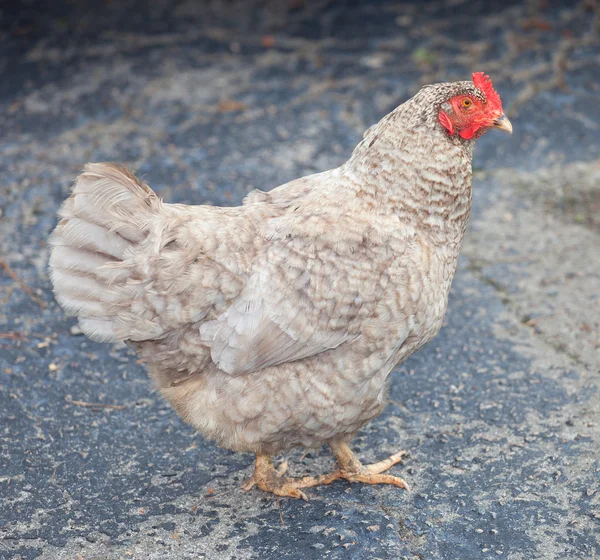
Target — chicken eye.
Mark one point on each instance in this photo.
(466, 103)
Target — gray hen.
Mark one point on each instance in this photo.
(277, 323)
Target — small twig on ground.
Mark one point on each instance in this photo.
(95, 405)
(533, 322)
(14, 335)
(22, 284)
(280, 512)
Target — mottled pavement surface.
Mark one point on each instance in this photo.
(500, 413)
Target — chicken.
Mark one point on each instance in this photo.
(276, 324)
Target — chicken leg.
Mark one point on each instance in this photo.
(269, 479)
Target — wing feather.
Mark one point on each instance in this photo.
(305, 295)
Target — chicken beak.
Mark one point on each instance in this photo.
(503, 123)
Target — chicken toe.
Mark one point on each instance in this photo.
(352, 470)
(367, 478)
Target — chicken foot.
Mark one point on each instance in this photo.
(272, 480)
(352, 470)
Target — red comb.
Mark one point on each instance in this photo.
(483, 82)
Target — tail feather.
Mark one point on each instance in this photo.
(112, 197)
(80, 261)
(80, 234)
(103, 224)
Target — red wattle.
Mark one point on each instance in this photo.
(468, 133)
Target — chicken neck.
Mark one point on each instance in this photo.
(416, 172)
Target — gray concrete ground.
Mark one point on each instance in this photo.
(501, 413)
